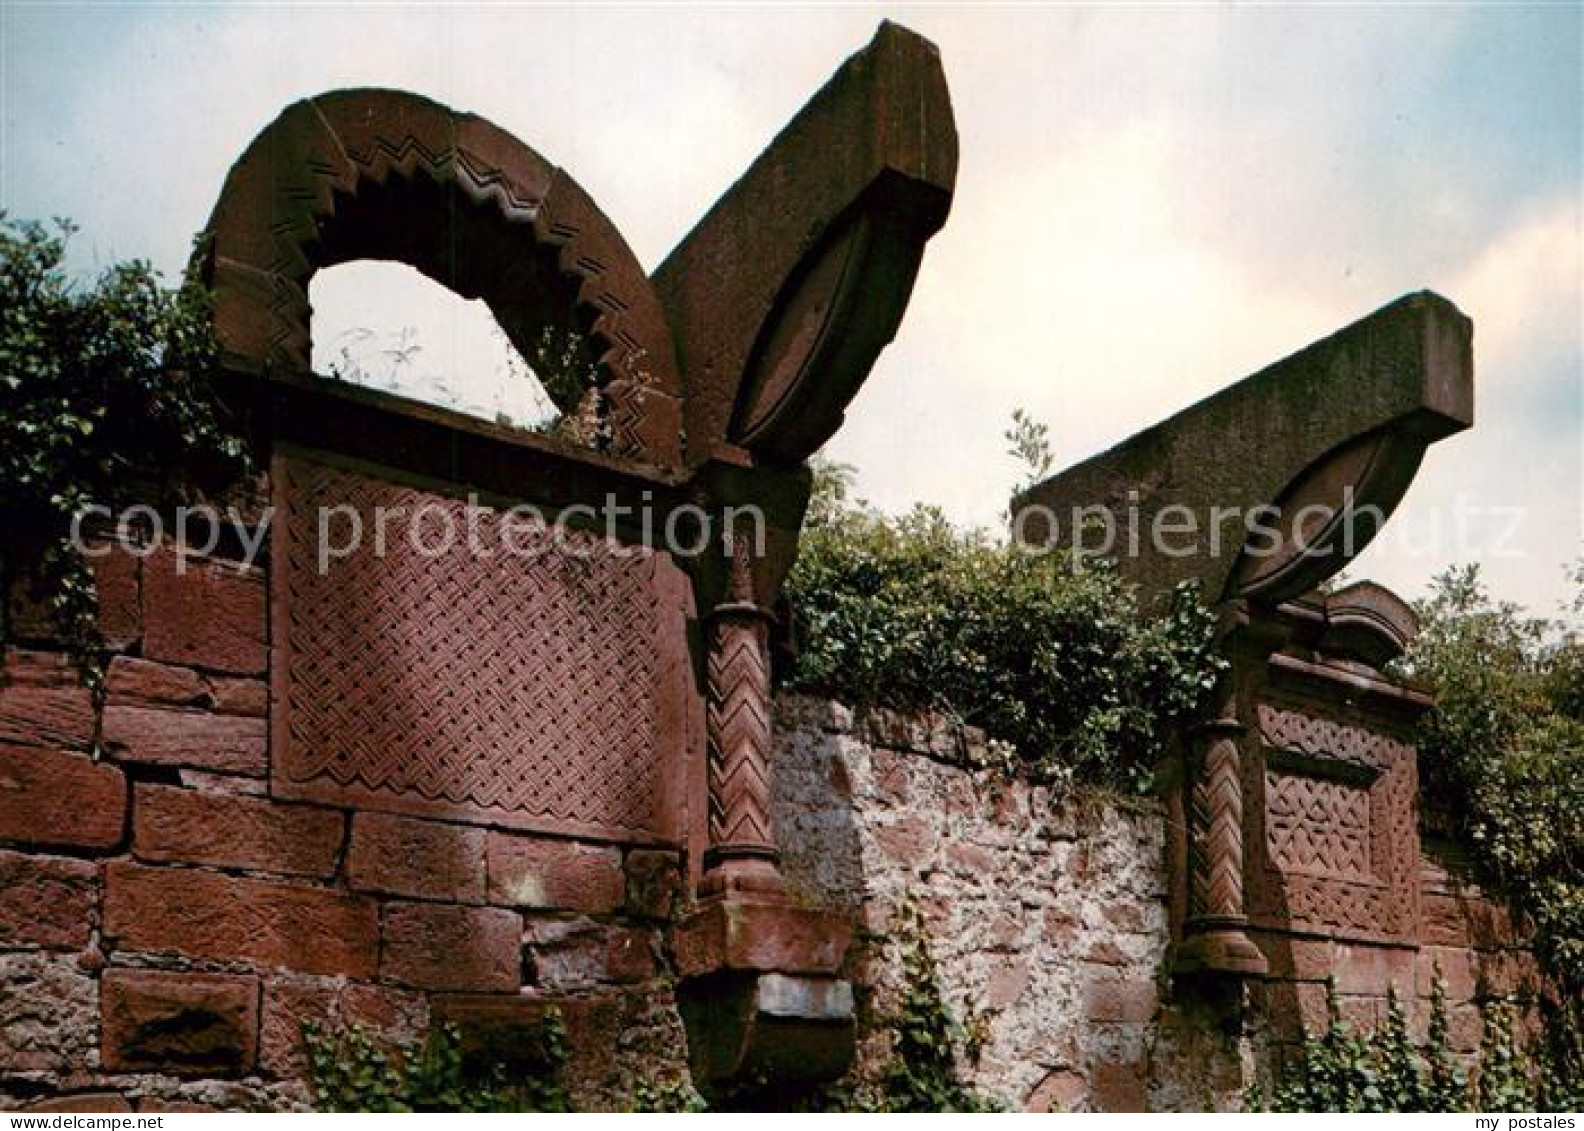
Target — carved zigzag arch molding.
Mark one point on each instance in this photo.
(385, 174)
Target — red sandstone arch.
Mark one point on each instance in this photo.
(383, 174)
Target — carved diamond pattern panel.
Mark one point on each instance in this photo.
(514, 688)
(1316, 826)
(1339, 838)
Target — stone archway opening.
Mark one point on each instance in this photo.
(387, 326)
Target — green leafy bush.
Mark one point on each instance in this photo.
(1384, 1071)
(1502, 757)
(1047, 654)
(1343, 1071)
(349, 1072)
(105, 398)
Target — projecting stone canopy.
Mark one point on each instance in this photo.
(836, 210)
(1268, 488)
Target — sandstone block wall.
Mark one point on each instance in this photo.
(166, 925)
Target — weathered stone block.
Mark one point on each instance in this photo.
(629, 955)
(1062, 927)
(181, 1023)
(1060, 1091)
(417, 858)
(116, 575)
(1103, 950)
(209, 915)
(444, 947)
(769, 937)
(1128, 918)
(46, 901)
(43, 702)
(1009, 980)
(1111, 996)
(1119, 1086)
(1362, 1014)
(1374, 971)
(970, 860)
(1454, 966)
(747, 1028)
(131, 679)
(155, 735)
(176, 1107)
(575, 963)
(889, 777)
(527, 871)
(50, 797)
(910, 840)
(208, 614)
(508, 1031)
(387, 1013)
(1300, 959)
(654, 881)
(1443, 920)
(1006, 931)
(1507, 972)
(1465, 1028)
(192, 827)
(49, 1014)
(86, 1103)
(240, 696)
(1297, 1010)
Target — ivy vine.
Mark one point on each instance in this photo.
(105, 398)
(1383, 1070)
(1502, 759)
(350, 1072)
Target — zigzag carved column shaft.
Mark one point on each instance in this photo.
(742, 851)
(1215, 934)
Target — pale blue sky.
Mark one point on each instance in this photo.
(1152, 202)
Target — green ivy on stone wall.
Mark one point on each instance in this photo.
(1502, 759)
(349, 1072)
(1049, 655)
(105, 398)
(1341, 1070)
(928, 1042)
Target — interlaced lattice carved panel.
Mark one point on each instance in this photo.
(1339, 840)
(1316, 826)
(524, 689)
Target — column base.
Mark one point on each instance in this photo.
(1219, 948)
(764, 1007)
(754, 877)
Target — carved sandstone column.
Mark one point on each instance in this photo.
(1214, 937)
(742, 852)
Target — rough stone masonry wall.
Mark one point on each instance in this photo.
(166, 926)
(1048, 919)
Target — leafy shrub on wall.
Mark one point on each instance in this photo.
(105, 398)
(1502, 757)
(1340, 1070)
(1047, 654)
(349, 1072)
